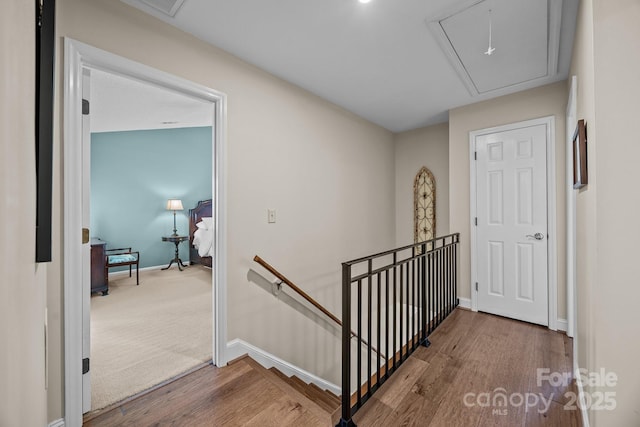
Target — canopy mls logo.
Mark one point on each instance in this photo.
(500, 401)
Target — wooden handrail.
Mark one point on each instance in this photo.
(302, 293)
(306, 296)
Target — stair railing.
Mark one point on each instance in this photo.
(313, 302)
(407, 293)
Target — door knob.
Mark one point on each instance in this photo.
(537, 236)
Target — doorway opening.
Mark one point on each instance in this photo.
(147, 145)
(80, 60)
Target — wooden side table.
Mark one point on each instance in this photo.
(175, 240)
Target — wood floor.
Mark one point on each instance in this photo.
(473, 358)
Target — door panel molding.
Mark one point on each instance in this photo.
(552, 275)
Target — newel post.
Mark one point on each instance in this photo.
(346, 420)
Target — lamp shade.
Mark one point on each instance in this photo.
(174, 205)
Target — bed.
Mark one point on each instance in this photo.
(201, 233)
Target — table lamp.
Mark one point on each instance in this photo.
(174, 205)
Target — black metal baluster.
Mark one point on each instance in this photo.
(451, 303)
(438, 282)
(386, 325)
(455, 271)
(425, 308)
(422, 296)
(395, 304)
(406, 315)
(401, 319)
(432, 290)
(370, 342)
(441, 286)
(447, 284)
(378, 346)
(413, 299)
(359, 338)
(346, 346)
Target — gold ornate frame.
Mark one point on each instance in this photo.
(424, 205)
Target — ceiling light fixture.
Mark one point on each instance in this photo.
(364, 1)
(490, 49)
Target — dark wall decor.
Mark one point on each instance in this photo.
(45, 47)
(580, 172)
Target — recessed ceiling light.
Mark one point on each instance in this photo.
(364, 1)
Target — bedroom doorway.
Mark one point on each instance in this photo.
(153, 324)
(80, 61)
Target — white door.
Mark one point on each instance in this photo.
(511, 235)
(86, 246)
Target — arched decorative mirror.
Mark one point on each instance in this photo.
(424, 205)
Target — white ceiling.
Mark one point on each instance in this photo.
(402, 64)
(124, 104)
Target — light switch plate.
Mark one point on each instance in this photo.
(271, 216)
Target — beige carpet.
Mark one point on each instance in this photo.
(144, 335)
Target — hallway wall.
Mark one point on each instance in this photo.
(428, 146)
(607, 229)
(326, 171)
(23, 287)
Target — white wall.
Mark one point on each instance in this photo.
(615, 150)
(23, 288)
(328, 173)
(617, 91)
(582, 65)
(414, 149)
(530, 104)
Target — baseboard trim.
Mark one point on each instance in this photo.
(583, 408)
(238, 347)
(562, 325)
(464, 303)
(126, 271)
(56, 423)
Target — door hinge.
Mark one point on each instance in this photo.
(85, 236)
(85, 365)
(85, 107)
(476, 286)
(475, 155)
(476, 221)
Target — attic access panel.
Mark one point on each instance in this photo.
(168, 7)
(525, 35)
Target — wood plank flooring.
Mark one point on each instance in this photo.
(239, 395)
(476, 358)
(470, 353)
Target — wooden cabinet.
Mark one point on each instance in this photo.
(98, 272)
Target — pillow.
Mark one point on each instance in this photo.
(206, 223)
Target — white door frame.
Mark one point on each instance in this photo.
(571, 213)
(552, 241)
(78, 56)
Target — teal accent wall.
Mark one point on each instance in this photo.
(133, 173)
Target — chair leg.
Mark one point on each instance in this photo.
(137, 274)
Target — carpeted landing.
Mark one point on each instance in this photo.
(144, 335)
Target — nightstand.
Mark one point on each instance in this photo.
(176, 241)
